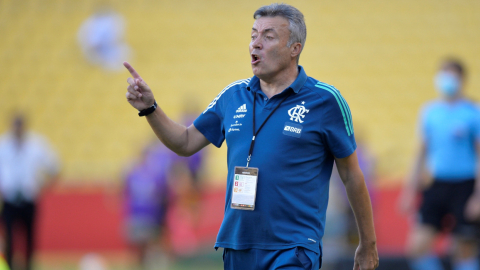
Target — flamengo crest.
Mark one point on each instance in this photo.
(297, 113)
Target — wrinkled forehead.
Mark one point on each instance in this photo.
(275, 24)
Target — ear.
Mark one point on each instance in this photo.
(295, 49)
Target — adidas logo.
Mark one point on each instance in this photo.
(242, 109)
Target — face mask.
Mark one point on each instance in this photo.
(447, 83)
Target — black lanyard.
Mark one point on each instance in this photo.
(256, 133)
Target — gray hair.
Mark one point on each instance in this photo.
(297, 27)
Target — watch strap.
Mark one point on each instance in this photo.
(148, 110)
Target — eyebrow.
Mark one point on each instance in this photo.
(266, 30)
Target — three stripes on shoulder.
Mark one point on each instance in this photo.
(347, 115)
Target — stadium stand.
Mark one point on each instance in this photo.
(381, 55)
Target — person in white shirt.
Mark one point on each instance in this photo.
(27, 164)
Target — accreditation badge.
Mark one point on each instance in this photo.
(244, 188)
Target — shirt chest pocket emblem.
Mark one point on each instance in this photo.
(297, 113)
(292, 129)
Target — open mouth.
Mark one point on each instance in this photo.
(255, 59)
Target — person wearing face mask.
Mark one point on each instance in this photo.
(449, 151)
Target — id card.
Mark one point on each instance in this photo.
(244, 188)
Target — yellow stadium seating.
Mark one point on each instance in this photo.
(382, 55)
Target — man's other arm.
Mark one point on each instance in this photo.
(366, 256)
(185, 141)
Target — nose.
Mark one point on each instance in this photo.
(256, 43)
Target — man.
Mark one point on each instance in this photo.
(146, 195)
(283, 130)
(26, 160)
(449, 149)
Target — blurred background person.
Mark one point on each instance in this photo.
(146, 197)
(101, 38)
(183, 215)
(27, 165)
(162, 194)
(449, 150)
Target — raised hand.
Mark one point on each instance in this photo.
(139, 94)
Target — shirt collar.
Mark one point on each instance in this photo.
(254, 84)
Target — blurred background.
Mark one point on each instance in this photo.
(61, 68)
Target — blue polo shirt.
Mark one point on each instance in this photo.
(294, 153)
(450, 131)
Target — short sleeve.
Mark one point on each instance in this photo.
(338, 125)
(210, 121)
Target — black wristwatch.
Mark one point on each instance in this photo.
(148, 110)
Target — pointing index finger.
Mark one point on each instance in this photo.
(131, 70)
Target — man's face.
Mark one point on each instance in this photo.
(268, 48)
(448, 81)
